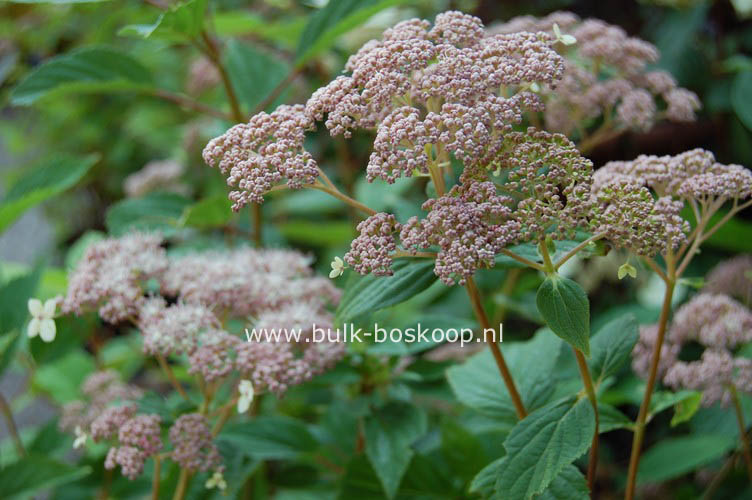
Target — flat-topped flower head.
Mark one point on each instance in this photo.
(642, 353)
(713, 374)
(432, 90)
(107, 403)
(606, 75)
(631, 218)
(276, 366)
(259, 154)
(214, 356)
(720, 325)
(712, 320)
(174, 329)
(246, 282)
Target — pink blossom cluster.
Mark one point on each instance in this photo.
(640, 200)
(246, 282)
(112, 274)
(692, 175)
(192, 444)
(139, 438)
(371, 252)
(552, 182)
(261, 153)
(428, 91)
(101, 391)
(631, 218)
(718, 323)
(270, 289)
(732, 277)
(606, 76)
(470, 225)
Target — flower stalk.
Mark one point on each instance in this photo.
(639, 432)
(742, 429)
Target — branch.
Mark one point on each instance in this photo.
(192, 104)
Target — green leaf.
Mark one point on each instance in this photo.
(49, 179)
(317, 233)
(570, 484)
(565, 308)
(674, 457)
(153, 212)
(9, 345)
(662, 400)
(389, 432)
(337, 18)
(254, 73)
(611, 419)
(242, 22)
(478, 384)
(270, 437)
(214, 211)
(685, 409)
(371, 293)
(612, 346)
(180, 22)
(35, 473)
(14, 296)
(740, 92)
(461, 449)
(484, 483)
(541, 445)
(92, 69)
(62, 379)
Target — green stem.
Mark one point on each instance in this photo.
(7, 412)
(579, 247)
(171, 376)
(742, 429)
(182, 487)
(156, 478)
(343, 197)
(590, 390)
(639, 433)
(506, 375)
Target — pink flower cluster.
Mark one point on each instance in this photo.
(605, 76)
(371, 252)
(552, 181)
(140, 438)
(101, 391)
(718, 323)
(272, 289)
(470, 224)
(732, 277)
(259, 154)
(432, 90)
(163, 175)
(640, 200)
(192, 444)
(112, 274)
